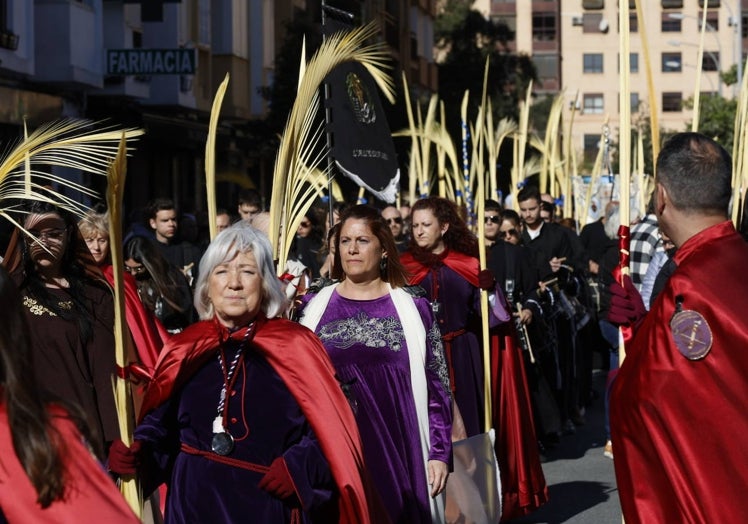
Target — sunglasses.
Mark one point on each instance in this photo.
(493, 218)
(305, 224)
(509, 233)
(396, 220)
(135, 270)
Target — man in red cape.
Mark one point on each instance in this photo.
(678, 405)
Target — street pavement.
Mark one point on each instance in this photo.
(581, 481)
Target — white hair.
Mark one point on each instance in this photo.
(240, 238)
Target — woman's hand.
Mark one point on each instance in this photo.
(438, 473)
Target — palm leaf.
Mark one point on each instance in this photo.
(67, 143)
(122, 392)
(210, 157)
(298, 156)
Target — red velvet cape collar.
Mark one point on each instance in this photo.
(464, 265)
(301, 360)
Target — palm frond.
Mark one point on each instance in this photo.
(210, 157)
(296, 159)
(68, 143)
(122, 392)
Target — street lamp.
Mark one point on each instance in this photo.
(737, 48)
(675, 64)
(715, 59)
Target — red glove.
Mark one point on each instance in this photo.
(124, 460)
(277, 481)
(626, 304)
(486, 280)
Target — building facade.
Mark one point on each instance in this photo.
(156, 64)
(587, 64)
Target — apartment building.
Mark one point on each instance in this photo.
(586, 68)
(156, 64)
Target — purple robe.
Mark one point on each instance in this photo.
(458, 317)
(367, 346)
(266, 422)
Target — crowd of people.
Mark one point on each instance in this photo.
(343, 391)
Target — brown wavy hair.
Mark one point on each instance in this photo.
(394, 272)
(457, 237)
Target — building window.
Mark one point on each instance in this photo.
(672, 102)
(591, 22)
(633, 63)
(672, 63)
(633, 23)
(633, 101)
(593, 62)
(546, 66)
(712, 19)
(508, 21)
(593, 104)
(710, 61)
(672, 4)
(544, 27)
(591, 147)
(670, 24)
(593, 4)
(712, 3)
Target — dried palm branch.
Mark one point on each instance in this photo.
(300, 145)
(122, 392)
(519, 154)
(651, 93)
(68, 143)
(210, 157)
(550, 144)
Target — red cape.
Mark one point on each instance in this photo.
(297, 355)
(90, 495)
(464, 265)
(147, 332)
(677, 423)
(522, 481)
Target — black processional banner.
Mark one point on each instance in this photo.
(362, 142)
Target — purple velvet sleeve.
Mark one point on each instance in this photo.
(160, 447)
(310, 472)
(437, 380)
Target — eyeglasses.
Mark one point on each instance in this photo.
(509, 233)
(135, 270)
(50, 235)
(395, 220)
(493, 218)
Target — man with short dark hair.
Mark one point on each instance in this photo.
(162, 219)
(250, 204)
(679, 402)
(492, 218)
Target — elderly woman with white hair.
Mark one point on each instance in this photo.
(244, 418)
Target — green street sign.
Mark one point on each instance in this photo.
(151, 62)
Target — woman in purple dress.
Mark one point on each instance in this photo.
(386, 349)
(443, 260)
